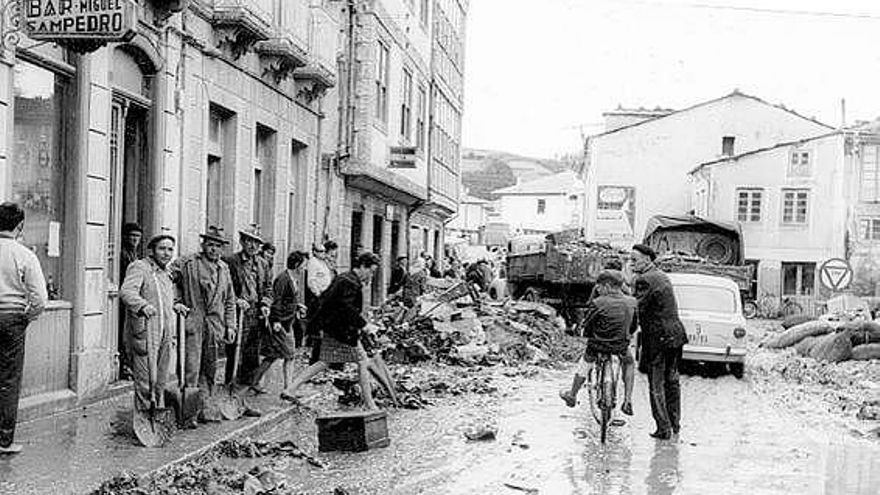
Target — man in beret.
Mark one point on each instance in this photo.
(663, 336)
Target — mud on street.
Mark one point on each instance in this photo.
(734, 440)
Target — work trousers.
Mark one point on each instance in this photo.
(252, 330)
(201, 354)
(140, 368)
(663, 383)
(12, 336)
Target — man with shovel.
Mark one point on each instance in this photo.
(148, 294)
(252, 282)
(205, 287)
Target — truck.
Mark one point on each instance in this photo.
(558, 269)
(691, 244)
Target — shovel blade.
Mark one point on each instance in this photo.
(231, 407)
(153, 428)
(192, 404)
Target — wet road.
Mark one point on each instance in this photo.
(733, 441)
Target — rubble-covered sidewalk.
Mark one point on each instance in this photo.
(820, 384)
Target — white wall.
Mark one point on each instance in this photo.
(656, 156)
(521, 211)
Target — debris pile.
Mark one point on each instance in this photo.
(820, 340)
(206, 476)
(465, 333)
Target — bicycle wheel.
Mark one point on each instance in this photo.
(605, 400)
(791, 308)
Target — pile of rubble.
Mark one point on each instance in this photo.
(468, 333)
(823, 364)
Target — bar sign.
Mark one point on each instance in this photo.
(403, 157)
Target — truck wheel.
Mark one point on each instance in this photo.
(531, 295)
(737, 369)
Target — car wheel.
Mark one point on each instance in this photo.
(737, 369)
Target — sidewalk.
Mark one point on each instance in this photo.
(75, 451)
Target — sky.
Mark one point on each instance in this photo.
(540, 73)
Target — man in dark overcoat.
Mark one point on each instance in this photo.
(662, 338)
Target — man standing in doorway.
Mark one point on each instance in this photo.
(148, 292)
(663, 337)
(253, 290)
(130, 252)
(398, 275)
(205, 289)
(22, 298)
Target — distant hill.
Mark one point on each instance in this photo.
(483, 171)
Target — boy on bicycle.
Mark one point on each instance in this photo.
(610, 320)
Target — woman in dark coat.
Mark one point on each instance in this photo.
(340, 319)
(286, 311)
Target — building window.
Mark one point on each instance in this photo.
(727, 143)
(748, 204)
(406, 107)
(799, 164)
(869, 181)
(382, 82)
(220, 125)
(421, 112)
(869, 229)
(542, 206)
(794, 206)
(264, 168)
(37, 180)
(798, 279)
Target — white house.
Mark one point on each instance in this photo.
(639, 170)
(547, 204)
(800, 203)
(471, 219)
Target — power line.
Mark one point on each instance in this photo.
(758, 10)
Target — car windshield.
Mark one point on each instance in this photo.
(703, 298)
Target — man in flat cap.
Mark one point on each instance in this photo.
(253, 291)
(663, 336)
(206, 294)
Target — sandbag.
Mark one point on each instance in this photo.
(795, 320)
(804, 347)
(798, 333)
(866, 352)
(868, 332)
(832, 348)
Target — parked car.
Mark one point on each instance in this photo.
(711, 310)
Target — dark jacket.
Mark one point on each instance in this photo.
(339, 310)
(251, 279)
(609, 321)
(398, 278)
(286, 297)
(658, 314)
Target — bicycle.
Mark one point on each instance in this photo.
(769, 306)
(602, 387)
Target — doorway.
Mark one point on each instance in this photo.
(378, 277)
(130, 174)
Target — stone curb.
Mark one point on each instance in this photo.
(256, 428)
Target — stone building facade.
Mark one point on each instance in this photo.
(214, 113)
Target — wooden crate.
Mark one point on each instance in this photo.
(354, 431)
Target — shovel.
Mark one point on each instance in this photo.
(186, 401)
(230, 404)
(152, 426)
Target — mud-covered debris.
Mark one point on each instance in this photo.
(483, 433)
(245, 447)
(870, 411)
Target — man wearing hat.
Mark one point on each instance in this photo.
(128, 254)
(663, 336)
(253, 289)
(148, 293)
(205, 290)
